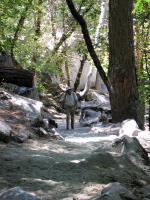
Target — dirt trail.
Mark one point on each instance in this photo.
(48, 170)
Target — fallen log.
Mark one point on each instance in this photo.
(20, 77)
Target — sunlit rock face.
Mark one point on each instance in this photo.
(129, 127)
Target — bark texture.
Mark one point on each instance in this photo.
(77, 81)
(122, 71)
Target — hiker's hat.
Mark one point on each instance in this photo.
(68, 88)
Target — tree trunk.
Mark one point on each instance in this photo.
(98, 82)
(67, 72)
(121, 81)
(51, 14)
(87, 84)
(16, 35)
(16, 76)
(122, 71)
(104, 4)
(37, 24)
(77, 81)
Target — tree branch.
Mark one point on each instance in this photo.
(88, 41)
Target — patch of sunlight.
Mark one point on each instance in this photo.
(46, 148)
(121, 166)
(41, 181)
(91, 139)
(100, 97)
(27, 104)
(41, 156)
(77, 161)
(59, 116)
(59, 150)
(93, 188)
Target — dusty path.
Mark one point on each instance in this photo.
(49, 169)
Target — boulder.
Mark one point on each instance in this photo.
(44, 123)
(54, 134)
(89, 121)
(134, 152)
(32, 108)
(89, 117)
(129, 127)
(144, 139)
(118, 189)
(42, 133)
(17, 193)
(114, 191)
(99, 160)
(47, 123)
(21, 137)
(91, 113)
(99, 96)
(30, 92)
(145, 192)
(5, 132)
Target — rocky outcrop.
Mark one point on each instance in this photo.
(5, 132)
(115, 191)
(32, 114)
(129, 127)
(17, 193)
(134, 152)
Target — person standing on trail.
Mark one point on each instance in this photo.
(69, 103)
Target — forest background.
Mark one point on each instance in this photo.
(44, 37)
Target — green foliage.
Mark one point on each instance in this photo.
(144, 86)
(142, 46)
(41, 88)
(139, 4)
(36, 52)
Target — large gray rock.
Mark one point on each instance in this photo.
(99, 160)
(31, 93)
(32, 108)
(118, 189)
(17, 193)
(134, 152)
(145, 192)
(47, 123)
(89, 117)
(42, 133)
(144, 139)
(5, 132)
(129, 127)
(28, 105)
(22, 136)
(115, 191)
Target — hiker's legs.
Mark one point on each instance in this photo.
(72, 119)
(67, 117)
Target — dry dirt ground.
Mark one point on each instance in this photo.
(50, 169)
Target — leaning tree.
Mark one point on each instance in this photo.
(121, 79)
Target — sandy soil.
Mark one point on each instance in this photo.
(52, 169)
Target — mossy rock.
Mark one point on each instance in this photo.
(91, 95)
